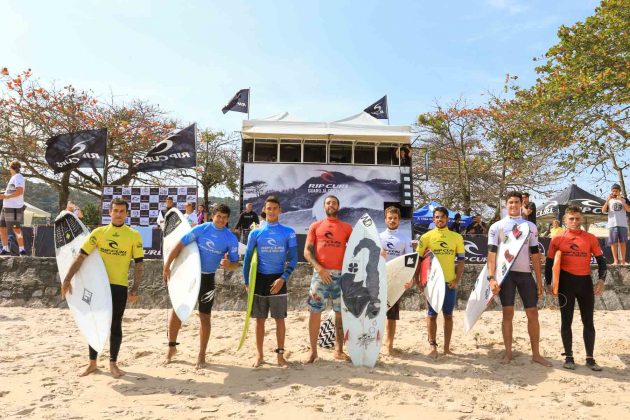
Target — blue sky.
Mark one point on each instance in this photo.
(317, 60)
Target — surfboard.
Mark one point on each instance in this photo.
(363, 293)
(91, 299)
(185, 280)
(555, 272)
(432, 278)
(250, 296)
(481, 295)
(400, 271)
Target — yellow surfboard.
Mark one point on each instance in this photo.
(250, 296)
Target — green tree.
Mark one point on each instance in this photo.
(583, 88)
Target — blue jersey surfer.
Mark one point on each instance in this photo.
(276, 244)
(218, 247)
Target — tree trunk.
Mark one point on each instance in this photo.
(64, 190)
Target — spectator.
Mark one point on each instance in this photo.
(191, 214)
(555, 229)
(529, 209)
(12, 213)
(456, 226)
(616, 206)
(245, 220)
(478, 227)
(162, 213)
(202, 216)
(74, 209)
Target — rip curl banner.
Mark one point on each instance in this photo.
(302, 189)
(80, 149)
(174, 152)
(378, 109)
(238, 103)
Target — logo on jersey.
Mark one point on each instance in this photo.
(443, 244)
(574, 247)
(93, 240)
(113, 244)
(328, 234)
(271, 242)
(389, 245)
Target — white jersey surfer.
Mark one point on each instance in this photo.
(519, 278)
(395, 243)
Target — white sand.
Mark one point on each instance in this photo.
(41, 354)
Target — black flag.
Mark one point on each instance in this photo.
(176, 151)
(239, 103)
(378, 109)
(81, 149)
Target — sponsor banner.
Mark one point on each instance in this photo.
(146, 202)
(81, 149)
(303, 188)
(176, 151)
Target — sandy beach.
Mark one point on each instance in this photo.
(42, 353)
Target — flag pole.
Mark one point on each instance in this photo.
(387, 109)
(249, 95)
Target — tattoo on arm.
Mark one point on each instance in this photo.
(76, 265)
(309, 254)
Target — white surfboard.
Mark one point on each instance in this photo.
(363, 294)
(481, 296)
(91, 299)
(432, 276)
(185, 280)
(400, 271)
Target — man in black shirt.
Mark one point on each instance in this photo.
(529, 209)
(478, 227)
(245, 220)
(456, 226)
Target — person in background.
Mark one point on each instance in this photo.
(12, 213)
(191, 214)
(169, 205)
(616, 207)
(555, 229)
(245, 220)
(456, 226)
(478, 227)
(74, 209)
(529, 209)
(202, 216)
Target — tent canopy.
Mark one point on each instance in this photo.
(424, 215)
(361, 126)
(32, 211)
(573, 195)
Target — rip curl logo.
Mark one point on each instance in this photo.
(327, 176)
(161, 147)
(328, 235)
(389, 245)
(271, 242)
(113, 244)
(574, 247)
(471, 248)
(209, 244)
(80, 148)
(353, 267)
(443, 244)
(92, 240)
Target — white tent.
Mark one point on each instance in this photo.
(357, 127)
(32, 211)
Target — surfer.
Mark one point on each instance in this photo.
(577, 247)
(168, 205)
(395, 243)
(519, 277)
(324, 249)
(117, 244)
(214, 241)
(448, 247)
(275, 243)
(12, 209)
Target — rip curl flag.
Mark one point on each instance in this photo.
(174, 152)
(80, 149)
(239, 103)
(378, 109)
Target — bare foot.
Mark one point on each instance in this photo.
(433, 353)
(390, 351)
(259, 360)
(201, 362)
(172, 351)
(541, 360)
(281, 362)
(115, 370)
(506, 359)
(342, 356)
(311, 358)
(90, 369)
(448, 352)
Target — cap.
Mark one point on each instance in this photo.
(615, 187)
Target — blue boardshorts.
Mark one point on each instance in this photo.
(450, 298)
(319, 293)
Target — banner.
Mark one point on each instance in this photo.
(176, 151)
(145, 203)
(239, 103)
(378, 109)
(303, 188)
(81, 149)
